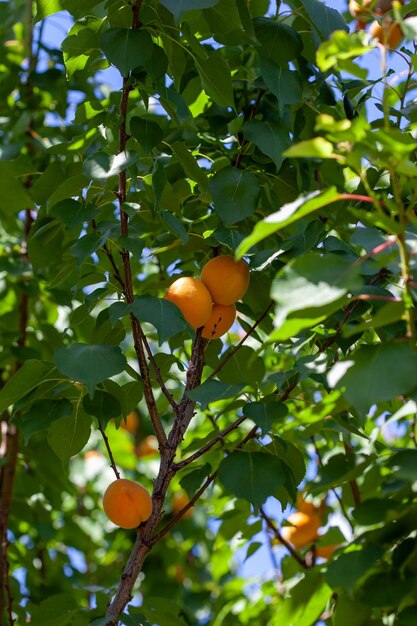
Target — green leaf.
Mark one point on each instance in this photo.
(57, 610)
(404, 465)
(73, 213)
(342, 46)
(245, 366)
(407, 617)
(272, 139)
(73, 186)
(193, 480)
(87, 245)
(126, 48)
(47, 7)
(287, 214)
(279, 42)
(324, 18)
(128, 395)
(90, 364)
(305, 604)
(45, 243)
(347, 569)
(285, 84)
(164, 315)
(41, 415)
(12, 193)
(265, 414)
(385, 589)
(179, 7)
(216, 78)
(102, 166)
(235, 194)
(147, 133)
(318, 147)
(349, 611)
(68, 435)
(175, 226)
(253, 476)
(190, 165)
(27, 377)
(212, 391)
(311, 289)
(377, 373)
(102, 405)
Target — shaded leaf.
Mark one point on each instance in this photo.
(68, 435)
(164, 315)
(212, 391)
(29, 376)
(126, 48)
(235, 194)
(90, 364)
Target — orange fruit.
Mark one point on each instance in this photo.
(226, 279)
(387, 32)
(325, 552)
(358, 9)
(221, 319)
(305, 507)
(130, 423)
(179, 501)
(192, 298)
(303, 529)
(126, 503)
(147, 447)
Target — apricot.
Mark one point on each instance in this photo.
(325, 552)
(303, 529)
(226, 279)
(192, 298)
(126, 503)
(130, 423)
(221, 319)
(305, 507)
(388, 33)
(147, 447)
(179, 501)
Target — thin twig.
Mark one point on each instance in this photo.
(210, 444)
(241, 342)
(353, 484)
(109, 451)
(184, 509)
(281, 539)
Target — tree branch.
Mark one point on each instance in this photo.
(270, 524)
(109, 452)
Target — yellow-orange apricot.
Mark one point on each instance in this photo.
(325, 552)
(147, 447)
(305, 507)
(387, 32)
(126, 503)
(221, 319)
(130, 423)
(192, 298)
(226, 279)
(303, 529)
(179, 501)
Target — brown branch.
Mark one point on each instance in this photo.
(210, 444)
(138, 334)
(253, 112)
(10, 437)
(241, 342)
(270, 524)
(109, 451)
(145, 537)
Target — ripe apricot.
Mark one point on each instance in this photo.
(226, 279)
(147, 447)
(221, 319)
(303, 529)
(387, 32)
(192, 298)
(130, 423)
(179, 501)
(126, 503)
(305, 507)
(325, 552)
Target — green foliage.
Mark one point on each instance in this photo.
(232, 128)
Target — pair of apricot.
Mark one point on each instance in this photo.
(386, 31)
(210, 302)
